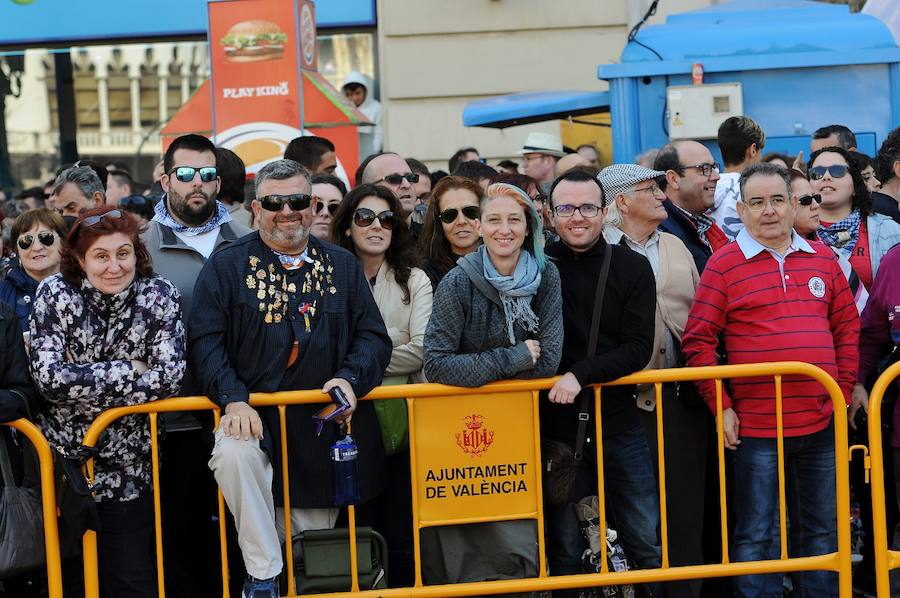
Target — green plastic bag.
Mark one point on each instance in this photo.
(394, 422)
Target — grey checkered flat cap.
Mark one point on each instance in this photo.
(619, 178)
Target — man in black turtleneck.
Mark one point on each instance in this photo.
(624, 346)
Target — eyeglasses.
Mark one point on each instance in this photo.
(364, 217)
(274, 203)
(331, 207)
(587, 210)
(836, 171)
(449, 215)
(758, 204)
(706, 168)
(539, 197)
(397, 178)
(651, 189)
(185, 174)
(806, 200)
(46, 239)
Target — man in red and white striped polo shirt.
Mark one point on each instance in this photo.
(777, 297)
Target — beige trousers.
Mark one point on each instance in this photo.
(244, 474)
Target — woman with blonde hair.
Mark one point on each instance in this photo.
(496, 315)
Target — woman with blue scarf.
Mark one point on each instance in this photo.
(496, 315)
(846, 220)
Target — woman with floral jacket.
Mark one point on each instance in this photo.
(106, 332)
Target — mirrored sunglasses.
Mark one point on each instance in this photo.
(449, 215)
(44, 237)
(364, 217)
(185, 174)
(274, 203)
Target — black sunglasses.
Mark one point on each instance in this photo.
(806, 200)
(185, 174)
(364, 217)
(134, 201)
(274, 203)
(836, 171)
(396, 179)
(46, 239)
(331, 207)
(449, 215)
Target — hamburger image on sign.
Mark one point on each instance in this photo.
(254, 41)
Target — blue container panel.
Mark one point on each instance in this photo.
(789, 104)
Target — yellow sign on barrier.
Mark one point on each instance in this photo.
(475, 457)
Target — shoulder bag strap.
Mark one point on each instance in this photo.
(587, 393)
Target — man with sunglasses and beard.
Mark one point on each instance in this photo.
(189, 224)
(283, 310)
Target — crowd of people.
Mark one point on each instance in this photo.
(219, 284)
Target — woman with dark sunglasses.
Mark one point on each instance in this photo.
(847, 222)
(37, 238)
(452, 228)
(806, 223)
(368, 224)
(106, 332)
(327, 193)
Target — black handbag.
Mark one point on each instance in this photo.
(74, 497)
(21, 523)
(560, 461)
(322, 560)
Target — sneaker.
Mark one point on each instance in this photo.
(260, 588)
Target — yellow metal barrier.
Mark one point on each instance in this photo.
(48, 503)
(885, 558)
(524, 393)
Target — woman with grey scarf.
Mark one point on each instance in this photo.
(496, 315)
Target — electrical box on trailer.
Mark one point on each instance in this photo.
(696, 111)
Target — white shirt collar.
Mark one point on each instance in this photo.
(750, 247)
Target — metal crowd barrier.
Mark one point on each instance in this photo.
(467, 431)
(48, 503)
(886, 559)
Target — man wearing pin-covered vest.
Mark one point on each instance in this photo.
(281, 310)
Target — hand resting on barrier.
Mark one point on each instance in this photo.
(565, 390)
(241, 421)
(348, 391)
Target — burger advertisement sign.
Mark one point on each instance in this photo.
(255, 82)
(256, 40)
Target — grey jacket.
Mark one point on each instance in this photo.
(180, 263)
(466, 343)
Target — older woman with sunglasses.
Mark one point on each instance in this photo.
(847, 222)
(452, 228)
(37, 235)
(327, 193)
(368, 225)
(106, 332)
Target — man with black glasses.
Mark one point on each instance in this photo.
(188, 225)
(285, 311)
(392, 171)
(690, 186)
(622, 345)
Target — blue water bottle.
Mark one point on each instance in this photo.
(344, 471)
